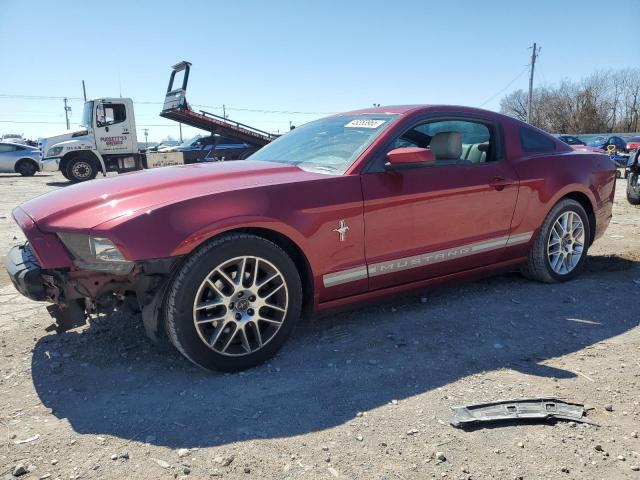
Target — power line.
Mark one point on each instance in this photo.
(62, 122)
(505, 87)
(214, 107)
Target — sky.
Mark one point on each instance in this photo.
(266, 60)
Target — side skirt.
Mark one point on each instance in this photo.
(474, 273)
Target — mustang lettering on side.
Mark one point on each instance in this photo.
(224, 258)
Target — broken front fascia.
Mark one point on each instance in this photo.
(521, 409)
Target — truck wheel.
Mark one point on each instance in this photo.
(633, 188)
(233, 303)
(26, 167)
(560, 248)
(81, 169)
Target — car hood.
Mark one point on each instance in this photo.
(87, 205)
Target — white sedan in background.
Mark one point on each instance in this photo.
(22, 159)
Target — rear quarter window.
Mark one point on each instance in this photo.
(532, 141)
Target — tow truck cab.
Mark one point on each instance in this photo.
(106, 141)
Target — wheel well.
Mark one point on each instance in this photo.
(71, 155)
(296, 254)
(583, 200)
(25, 159)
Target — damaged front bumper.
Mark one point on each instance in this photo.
(25, 272)
(76, 293)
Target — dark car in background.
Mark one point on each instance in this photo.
(604, 142)
(570, 140)
(213, 148)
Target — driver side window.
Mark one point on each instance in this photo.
(452, 141)
(110, 113)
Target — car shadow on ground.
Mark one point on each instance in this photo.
(59, 184)
(108, 379)
(17, 175)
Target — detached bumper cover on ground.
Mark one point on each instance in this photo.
(522, 409)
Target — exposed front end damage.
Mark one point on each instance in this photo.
(76, 294)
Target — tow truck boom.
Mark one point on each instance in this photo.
(177, 108)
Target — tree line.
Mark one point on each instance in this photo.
(605, 101)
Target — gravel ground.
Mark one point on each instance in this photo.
(364, 394)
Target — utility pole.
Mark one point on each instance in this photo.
(534, 55)
(146, 140)
(224, 111)
(67, 109)
(84, 91)
(180, 132)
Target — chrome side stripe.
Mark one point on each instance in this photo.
(345, 276)
(520, 238)
(382, 268)
(435, 257)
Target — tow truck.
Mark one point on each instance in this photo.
(106, 140)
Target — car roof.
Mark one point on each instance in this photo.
(14, 144)
(406, 109)
(429, 108)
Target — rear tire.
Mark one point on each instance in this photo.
(220, 315)
(558, 253)
(81, 169)
(26, 167)
(633, 188)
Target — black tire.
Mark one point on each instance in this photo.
(63, 171)
(182, 291)
(633, 188)
(538, 266)
(26, 167)
(81, 168)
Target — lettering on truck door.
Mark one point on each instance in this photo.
(112, 128)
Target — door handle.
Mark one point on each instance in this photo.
(500, 182)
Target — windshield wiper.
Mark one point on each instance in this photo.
(315, 166)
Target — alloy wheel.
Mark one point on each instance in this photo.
(566, 243)
(240, 306)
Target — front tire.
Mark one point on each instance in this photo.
(233, 303)
(81, 169)
(560, 248)
(633, 188)
(26, 167)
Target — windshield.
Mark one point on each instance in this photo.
(191, 141)
(329, 145)
(87, 115)
(596, 142)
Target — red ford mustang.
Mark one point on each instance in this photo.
(224, 258)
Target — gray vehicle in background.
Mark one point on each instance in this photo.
(22, 159)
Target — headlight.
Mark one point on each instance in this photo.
(54, 151)
(95, 253)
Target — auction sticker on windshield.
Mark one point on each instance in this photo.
(365, 123)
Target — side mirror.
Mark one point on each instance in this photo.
(407, 157)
